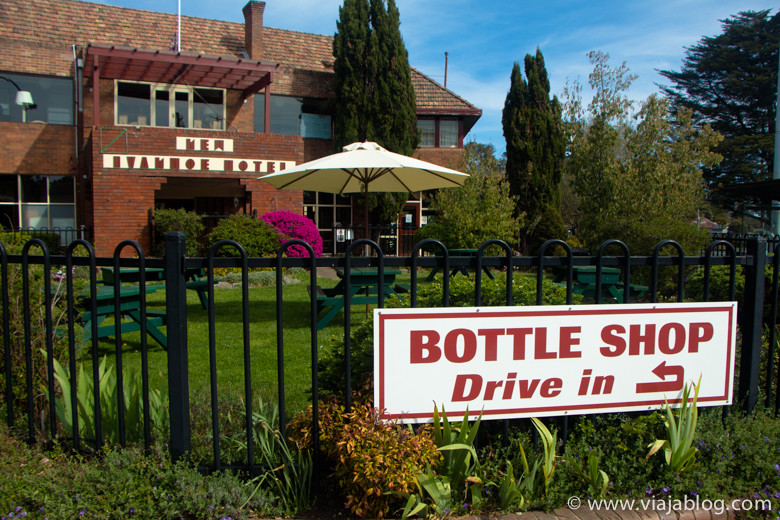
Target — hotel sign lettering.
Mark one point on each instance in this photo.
(200, 163)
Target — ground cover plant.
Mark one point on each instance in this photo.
(120, 484)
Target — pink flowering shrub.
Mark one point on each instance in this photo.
(290, 225)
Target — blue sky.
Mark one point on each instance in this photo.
(484, 38)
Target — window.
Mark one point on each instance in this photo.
(37, 201)
(294, 116)
(144, 104)
(438, 133)
(427, 129)
(448, 133)
(53, 99)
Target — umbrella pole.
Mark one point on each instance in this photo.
(365, 215)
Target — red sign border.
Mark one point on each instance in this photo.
(729, 308)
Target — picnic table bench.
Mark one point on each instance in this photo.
(363, 288)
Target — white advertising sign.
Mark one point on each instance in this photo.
(515, 362)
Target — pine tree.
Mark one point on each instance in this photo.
(534, 145)
(729, 81)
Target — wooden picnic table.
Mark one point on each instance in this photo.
(460, 269)
(363, 288)
(129, 313)
(584, 280)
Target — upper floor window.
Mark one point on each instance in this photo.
(427, 129)
(438, 133)
(53, 98)
(293, 116)
(179, 106)
(448, 133)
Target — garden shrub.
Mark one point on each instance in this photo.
(330, 363)
(550, 226)
(256, 237)
(374, 461)
(187, 222)
(38, 331)
(19, 238)
(437, 232)
(720, 276)
(462, 291)
(291, 225)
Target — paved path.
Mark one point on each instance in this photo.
(584, 513)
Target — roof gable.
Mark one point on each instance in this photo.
(65, 22)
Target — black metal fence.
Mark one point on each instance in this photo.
(21, 290)
(66, 234)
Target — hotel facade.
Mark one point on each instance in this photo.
(121, 123)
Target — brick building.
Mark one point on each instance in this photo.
(121, 124)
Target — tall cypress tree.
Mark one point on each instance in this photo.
(394, 104)
(375, 98)
(535, 145)
(351, 47)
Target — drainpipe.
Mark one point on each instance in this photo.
(775, 220)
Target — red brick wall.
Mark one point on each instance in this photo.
(123, 197)
(36, 148)
(447, 157)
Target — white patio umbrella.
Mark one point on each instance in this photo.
(366, 167)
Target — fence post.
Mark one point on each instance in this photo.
(752, 323)
(176, 309)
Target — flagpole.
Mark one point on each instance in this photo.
(178, 29)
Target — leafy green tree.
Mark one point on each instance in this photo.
(729, 81)
(535, 148)
(480, 159)
(375, 98)
(638, 176)
(482, 208)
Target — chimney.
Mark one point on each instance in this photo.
(253, 29)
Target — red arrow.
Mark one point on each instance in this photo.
(662, 371)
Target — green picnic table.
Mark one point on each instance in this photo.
(460, 269)
(363, 288)
(196, 279)
(584, 280)
(129, 313)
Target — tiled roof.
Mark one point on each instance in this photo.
(60, 23)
